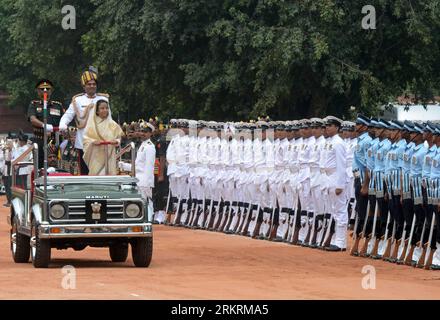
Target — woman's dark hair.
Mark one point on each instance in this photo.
(99, 102)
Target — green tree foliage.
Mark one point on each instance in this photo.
(38, 47)
(228, 59)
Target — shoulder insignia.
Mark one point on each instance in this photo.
(56, 102)
(104, 95)
(77, 95)
(36, 101)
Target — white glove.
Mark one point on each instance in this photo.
(51, 170)
(49, 127)
(122, 166)
(63, 127)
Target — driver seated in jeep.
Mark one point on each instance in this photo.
(52, 160)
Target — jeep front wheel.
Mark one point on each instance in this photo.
(40, 248)
(20, 246)
(119, 252)
(142, 251)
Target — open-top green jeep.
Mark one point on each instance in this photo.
(76, 212)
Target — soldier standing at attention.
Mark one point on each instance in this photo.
(360, 173)
(144, 164)
(36, 117)
(335, 166)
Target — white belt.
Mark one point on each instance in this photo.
(330, 171)
(263, 170)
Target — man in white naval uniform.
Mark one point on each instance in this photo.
(304, 180)
(215, 172)
(226, 172)
(281, 183)
(350, 142)
(315, 182)
(268, 189)
(229, 171)
(210, 181)
(202, 172)
(252, 185)
(247, 176)
(183, 170)
(172, 167)
(335, 166)
(195, 189)
(79, 110)
(178, 159)
(144, 166)
(259, 180)
(236, 149)
(295, 144)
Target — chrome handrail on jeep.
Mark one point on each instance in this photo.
(19, 161)
(129, 147)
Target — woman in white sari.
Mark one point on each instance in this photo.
(101, 127)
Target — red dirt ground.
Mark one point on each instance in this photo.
(196, 264)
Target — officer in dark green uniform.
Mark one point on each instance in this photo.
(35, 116)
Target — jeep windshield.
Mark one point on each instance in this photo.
(91, 187)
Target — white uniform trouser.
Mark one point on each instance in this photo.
(183, 186)
(339, 214)
(436, 257)
(350, 189)
(293, 199)
(306, 205)
(284, 192)
(228, 190)
(317, 199)
(304, 195)
(147, 194)
(268, 197)
(254, 197)
(173, 185)
(208, 188)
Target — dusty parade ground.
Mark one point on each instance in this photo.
(196, 264)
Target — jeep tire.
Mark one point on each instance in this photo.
(40, 248)
(20, 246)
(119, 252)
(142, 251)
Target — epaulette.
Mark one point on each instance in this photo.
(36, 101)
(77, 95)
(56, 102)
(104, 95)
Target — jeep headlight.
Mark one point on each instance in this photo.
(57, 211)
(132, 210)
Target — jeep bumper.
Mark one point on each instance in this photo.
(95, 231)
